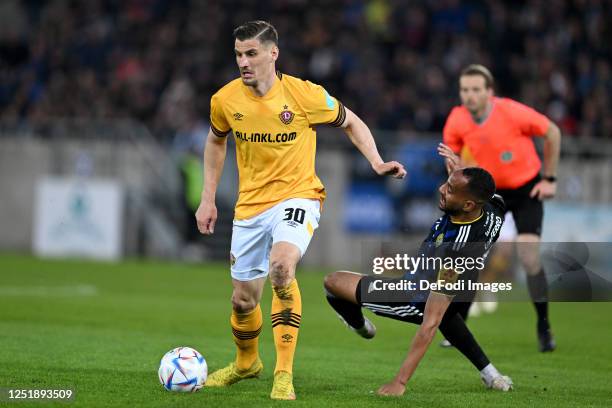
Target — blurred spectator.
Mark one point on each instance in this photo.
(394, 63)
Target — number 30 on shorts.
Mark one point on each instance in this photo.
(295, 214)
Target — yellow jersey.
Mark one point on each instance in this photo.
(275, 139)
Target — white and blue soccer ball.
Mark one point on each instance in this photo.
(183, 369)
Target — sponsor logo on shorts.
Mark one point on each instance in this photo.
(371, 287)
(232, 259)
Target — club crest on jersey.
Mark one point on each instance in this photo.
(506, 156)
(286, 116)
(439, 239)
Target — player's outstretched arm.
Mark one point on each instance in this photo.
(362, 138)
(434, 312)
(214, 157)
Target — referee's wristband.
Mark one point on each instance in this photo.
(552, 179)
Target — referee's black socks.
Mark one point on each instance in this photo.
(538, 290)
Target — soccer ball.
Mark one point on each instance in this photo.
(183, 369)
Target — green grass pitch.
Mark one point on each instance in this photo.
(101, 328)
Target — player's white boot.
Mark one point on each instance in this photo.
(368, 330)
(445, 344)
(475, 310)
(500, 383)
(488, 306)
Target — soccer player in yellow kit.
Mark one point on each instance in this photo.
(273, 118)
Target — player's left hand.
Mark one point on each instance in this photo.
(391, 168)
(394, 388)
(451, 160)
(543, 190)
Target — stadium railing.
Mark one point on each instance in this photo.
(126, 151)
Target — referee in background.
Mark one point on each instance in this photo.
(496, 134)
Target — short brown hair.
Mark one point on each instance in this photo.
(262, 30)
(477, 69)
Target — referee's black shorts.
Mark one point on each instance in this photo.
(527, 212)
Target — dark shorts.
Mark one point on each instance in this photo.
(407, 312)
(527, 212)
(411, 312)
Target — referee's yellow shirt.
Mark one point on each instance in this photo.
(275, 139)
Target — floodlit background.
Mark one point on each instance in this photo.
(104, 110)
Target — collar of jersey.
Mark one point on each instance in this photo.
(271, 92)
(467, 222)
(481, 124)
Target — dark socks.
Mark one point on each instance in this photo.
(463, 309)
(454, 329)
(349, 311)
(538, 290)
(542, 312)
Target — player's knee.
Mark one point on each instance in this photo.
(281, 273)
(242, 303)
(530, 261)
(532, 268)
(427, 331)
(330, 281)
(528, 251)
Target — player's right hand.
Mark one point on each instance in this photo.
(391, 168)
(394, 388)
(206, 217)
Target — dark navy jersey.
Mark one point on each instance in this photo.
(454, 252)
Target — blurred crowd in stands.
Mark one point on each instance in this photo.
(393, 62)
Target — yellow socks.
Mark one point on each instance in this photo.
(286, 317)
(246, 328)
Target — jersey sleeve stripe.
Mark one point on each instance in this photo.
(458, 237)
(341, 116)
(464, 232)
(464, 239)
(218, 132)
